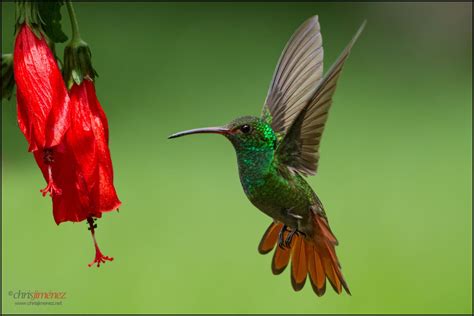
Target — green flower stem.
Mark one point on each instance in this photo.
(76, 36)
(77, 55)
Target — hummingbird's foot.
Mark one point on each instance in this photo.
(281, 243)
(289, 238)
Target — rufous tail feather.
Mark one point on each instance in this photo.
(314, 257)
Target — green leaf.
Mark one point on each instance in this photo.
(8, 81)
(77, 76)
(50, 12)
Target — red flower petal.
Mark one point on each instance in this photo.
(89, 122)
(42, 99)
(73, 204)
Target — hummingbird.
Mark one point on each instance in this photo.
(278, 149)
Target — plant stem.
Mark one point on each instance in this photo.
(74, 24)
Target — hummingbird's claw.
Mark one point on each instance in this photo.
(289, 238)
(286, 242)
(281, 243)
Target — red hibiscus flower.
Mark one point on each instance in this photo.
(42, 98)
(90, 135)
(67, 132)
(82, 166)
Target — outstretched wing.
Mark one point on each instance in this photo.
(299, 149)
(296, 76)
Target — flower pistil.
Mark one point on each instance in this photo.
(99, 256)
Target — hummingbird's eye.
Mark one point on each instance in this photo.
(245, 128)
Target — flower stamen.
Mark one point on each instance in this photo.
(51, 186)
(99, 257)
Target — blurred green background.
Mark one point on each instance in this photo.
(395, 172)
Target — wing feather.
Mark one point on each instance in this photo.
(299, 148)
(296, 76)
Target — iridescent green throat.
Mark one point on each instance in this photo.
(255, 155)
(254, 166)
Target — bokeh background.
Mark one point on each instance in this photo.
(395, 172)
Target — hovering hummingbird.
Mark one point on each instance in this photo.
(276, 150)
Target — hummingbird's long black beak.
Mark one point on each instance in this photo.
(205, 130)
